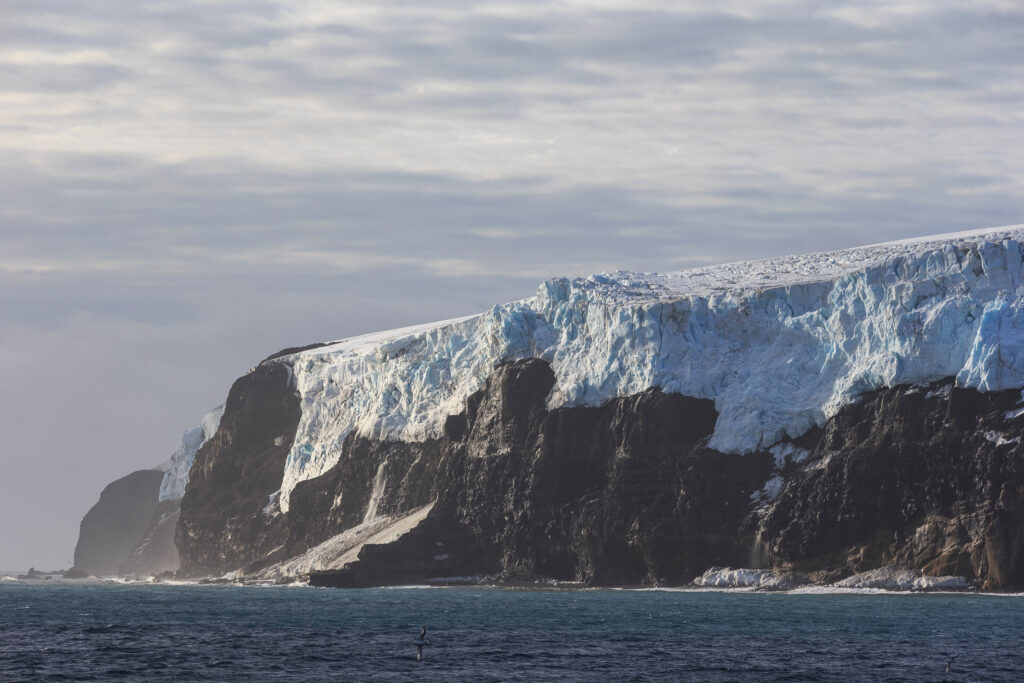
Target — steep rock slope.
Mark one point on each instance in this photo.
(153, 550)
(622, 493)
(117, 523)
(155, 553)
(924, 477)
(225, 517)
(928, 478)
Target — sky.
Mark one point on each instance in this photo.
(187, 187)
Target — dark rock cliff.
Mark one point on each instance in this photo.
(929, 478)
(621, 494)
(624, 493)
(115, 525)
(156, 552)
(222, 524)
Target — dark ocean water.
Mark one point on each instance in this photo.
(100, 632)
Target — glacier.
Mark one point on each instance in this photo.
(778, 344)
(176, 468)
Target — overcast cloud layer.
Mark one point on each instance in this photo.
(186, 187)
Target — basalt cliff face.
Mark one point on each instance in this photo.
(926, 478)
(820, 416)
(114, 527)
(930, 478)
(131, 530)
(224, 520)
(622, 493)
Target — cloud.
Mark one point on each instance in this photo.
(486, 90)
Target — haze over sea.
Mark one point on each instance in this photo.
(133, 632)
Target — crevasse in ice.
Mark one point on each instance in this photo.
(778, 344)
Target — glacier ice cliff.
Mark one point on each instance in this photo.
(780, 345)
(176, 468)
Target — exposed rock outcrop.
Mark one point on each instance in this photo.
(156, 552)
(116, 524)
(226, 516)
(929, 478)
(623, 493)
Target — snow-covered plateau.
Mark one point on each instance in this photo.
(778, 344)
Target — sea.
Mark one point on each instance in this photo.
(107, 631)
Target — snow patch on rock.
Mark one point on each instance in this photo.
(1013, 414)
(784, 450)
(896, 579)
(884, 579)
(764, 579)
(271, 509)
(1000, 439)
(770, 491)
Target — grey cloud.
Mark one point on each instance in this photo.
(65, 79)
(165, 222)
(954, 50)
(50, 301)
(185, 14)
(50, 38)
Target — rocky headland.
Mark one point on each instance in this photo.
(849, 419)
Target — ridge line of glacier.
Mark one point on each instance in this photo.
(779, 344)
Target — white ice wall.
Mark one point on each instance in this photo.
(177, 467)
(779, 344)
